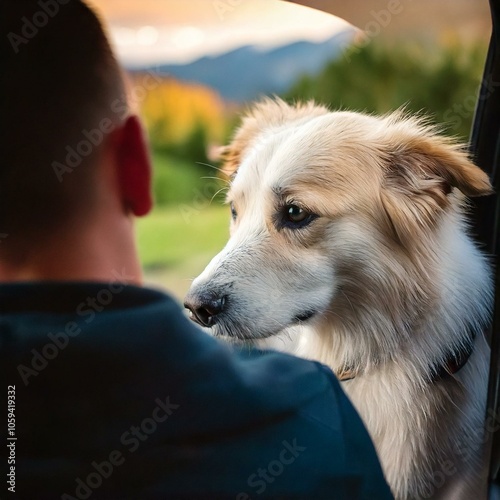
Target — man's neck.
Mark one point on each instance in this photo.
(105, 252)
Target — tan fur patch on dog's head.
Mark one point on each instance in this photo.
(421, 171)
(266, 115)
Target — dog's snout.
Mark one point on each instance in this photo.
(204, 307)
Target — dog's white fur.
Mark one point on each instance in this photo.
(395, 282)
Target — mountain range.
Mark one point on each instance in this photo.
(247, 72)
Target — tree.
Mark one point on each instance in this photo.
(379, 79)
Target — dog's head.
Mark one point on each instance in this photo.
(334, 215)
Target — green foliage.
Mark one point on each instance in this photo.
(377, 78)
(167, 238)
(183, 181)
(191, 148)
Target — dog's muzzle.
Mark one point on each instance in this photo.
(204, 308)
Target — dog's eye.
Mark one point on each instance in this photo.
(296, 217)
(234, 214)
(295, 213)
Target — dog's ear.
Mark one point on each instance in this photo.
(232, 154)
(421, 170)
(262, 118)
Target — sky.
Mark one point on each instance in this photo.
(178, 31)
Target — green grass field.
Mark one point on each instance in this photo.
(178, 241)
(186, 229)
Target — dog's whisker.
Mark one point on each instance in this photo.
(211, 166)
(211, 177)
(218, 179)
(219, 191)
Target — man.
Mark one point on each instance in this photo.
(110, 391)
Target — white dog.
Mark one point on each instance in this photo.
(348, 241)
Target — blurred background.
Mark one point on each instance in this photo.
(194, 66)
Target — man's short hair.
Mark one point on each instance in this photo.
(63, 90)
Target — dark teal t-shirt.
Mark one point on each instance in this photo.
(117, 395)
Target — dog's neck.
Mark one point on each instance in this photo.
(437, 371)
(431, 338)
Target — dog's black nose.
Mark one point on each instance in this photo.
(204, 307)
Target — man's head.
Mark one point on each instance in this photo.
(71, 148)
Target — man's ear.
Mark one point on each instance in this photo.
(134, 167)
(420, 172)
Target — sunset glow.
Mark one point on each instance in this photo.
(159, 31)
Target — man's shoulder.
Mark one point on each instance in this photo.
(127, 372)
(140, 335)
(128, 340)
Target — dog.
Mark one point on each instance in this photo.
(349, 245)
